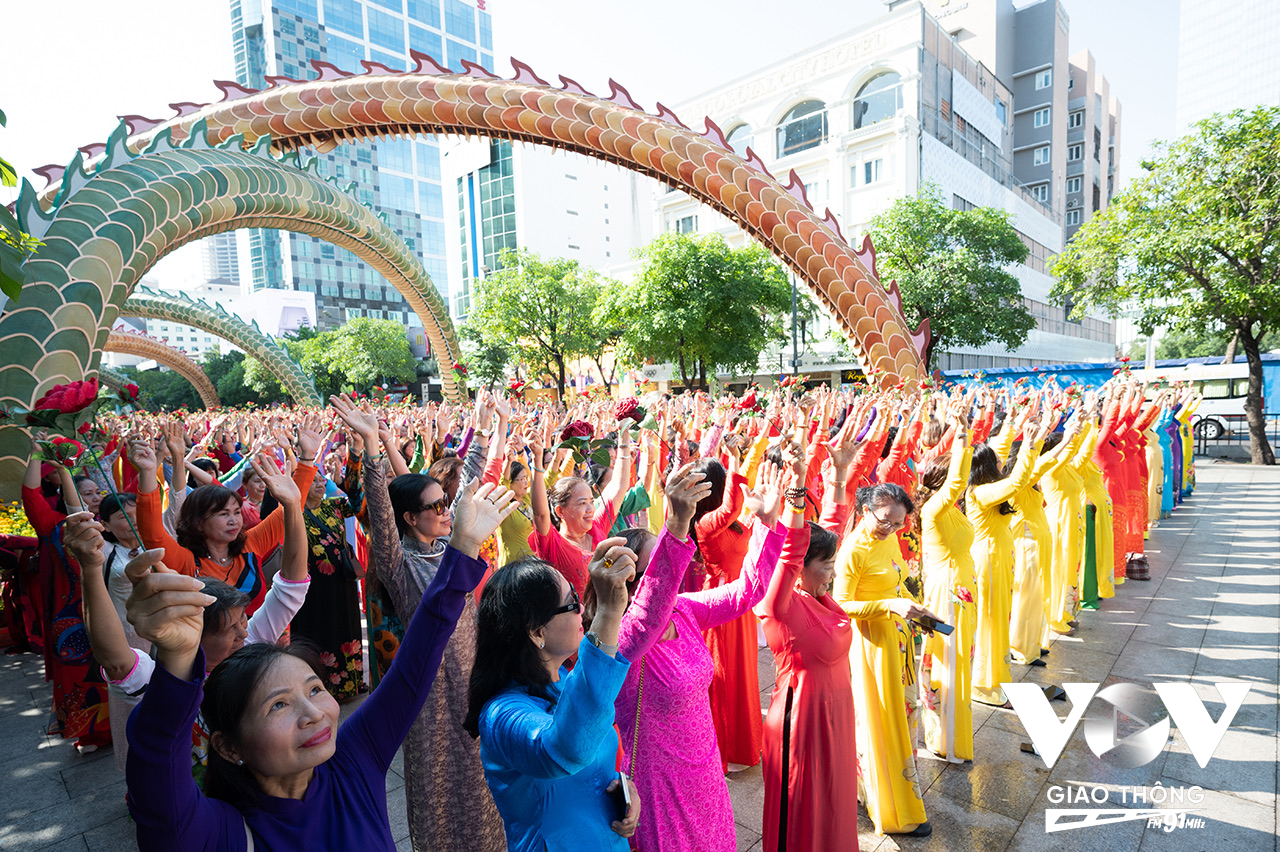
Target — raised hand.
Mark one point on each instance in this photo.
(141, 455)
(765, 501)
(613, 565)
(310, 438)
(82, 535)
(362, 423)
(684, 490)
(477, 513)
(281, 486)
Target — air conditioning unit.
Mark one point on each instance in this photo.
(1075, 202)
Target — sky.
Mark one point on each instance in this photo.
(75, 65)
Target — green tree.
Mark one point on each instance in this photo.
(366, 352)
(540, 308)
(1194, 244)
(163, 390)
(487, 358)
(700, 304)
(15, 245)
(952, 269)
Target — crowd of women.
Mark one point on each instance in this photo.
(561, 604)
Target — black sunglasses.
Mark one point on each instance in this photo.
(574, 605)
(441, 506)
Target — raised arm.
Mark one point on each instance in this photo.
(780, 593)
(957, 472)
(998, 492)
(621, 478)
(650, 610)
(716, 606)
(82, 536)
(379, 725)
(150, 523)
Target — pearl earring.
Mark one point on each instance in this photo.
(239, 763)
(542, 644)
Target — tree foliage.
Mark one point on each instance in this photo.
(357, 355)
(487, 357)
(540, 308)
(701, 305)
(15, 245)
(1194, 243)
(952, 268)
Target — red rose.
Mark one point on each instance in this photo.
(577, 429)
(130, 392)
(629, 408)
(748, 402)
(964, 595)
(85, 428)
(1115, 372)
(69, 398)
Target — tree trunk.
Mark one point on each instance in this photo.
(1230, 357)
(702, 374)
(1260, 451)
(684, 373)
(560, 375)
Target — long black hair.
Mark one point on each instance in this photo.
(517, 599)
(406, 496)
(227, 692)
(985, 469)
(111, 504)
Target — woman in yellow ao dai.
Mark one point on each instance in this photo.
(949, 590)
(988, 510)
(868, 586)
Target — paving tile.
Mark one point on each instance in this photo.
(120, 835)
(1002, 779)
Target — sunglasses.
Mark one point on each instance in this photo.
(574, 605)
(440, 506)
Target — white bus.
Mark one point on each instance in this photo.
(1224, 387)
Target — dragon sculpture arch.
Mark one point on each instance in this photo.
(133, 343)
(82, 276)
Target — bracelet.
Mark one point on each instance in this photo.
(796, 507)
(374, 457)
(538, 469)
(304, 461)
(796, 493)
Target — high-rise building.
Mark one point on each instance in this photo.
(1235, 36)
(399, 177)
(900, 105)
(556, 204)
(221, 258)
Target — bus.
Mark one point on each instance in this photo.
(1223, 386)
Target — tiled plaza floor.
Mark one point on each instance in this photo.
(1211, 613)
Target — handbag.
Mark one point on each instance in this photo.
(346, 556)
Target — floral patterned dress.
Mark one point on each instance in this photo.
(331, 615)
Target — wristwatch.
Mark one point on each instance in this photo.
(595, 640)
(484, 433)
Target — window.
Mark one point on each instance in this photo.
(301, 8)
(804, 127)
(1073, 217)
(1073, 185)
(386, 30)
(396, 155)
(428, 161)
(739, 138)
(344, 16)
(425, 11)
(1074, 152)
(871, 170)
(1041, 156)
(345, 54)
(686, 225)
(1002, 112)
(879, 99)
(486, 31)
(1075, 119)
(1041, 192)
(460, 20)
(426, 42)
(1041, 117)
(1044, 79)
(457, 53)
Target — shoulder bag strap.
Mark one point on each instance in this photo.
(635, 736)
